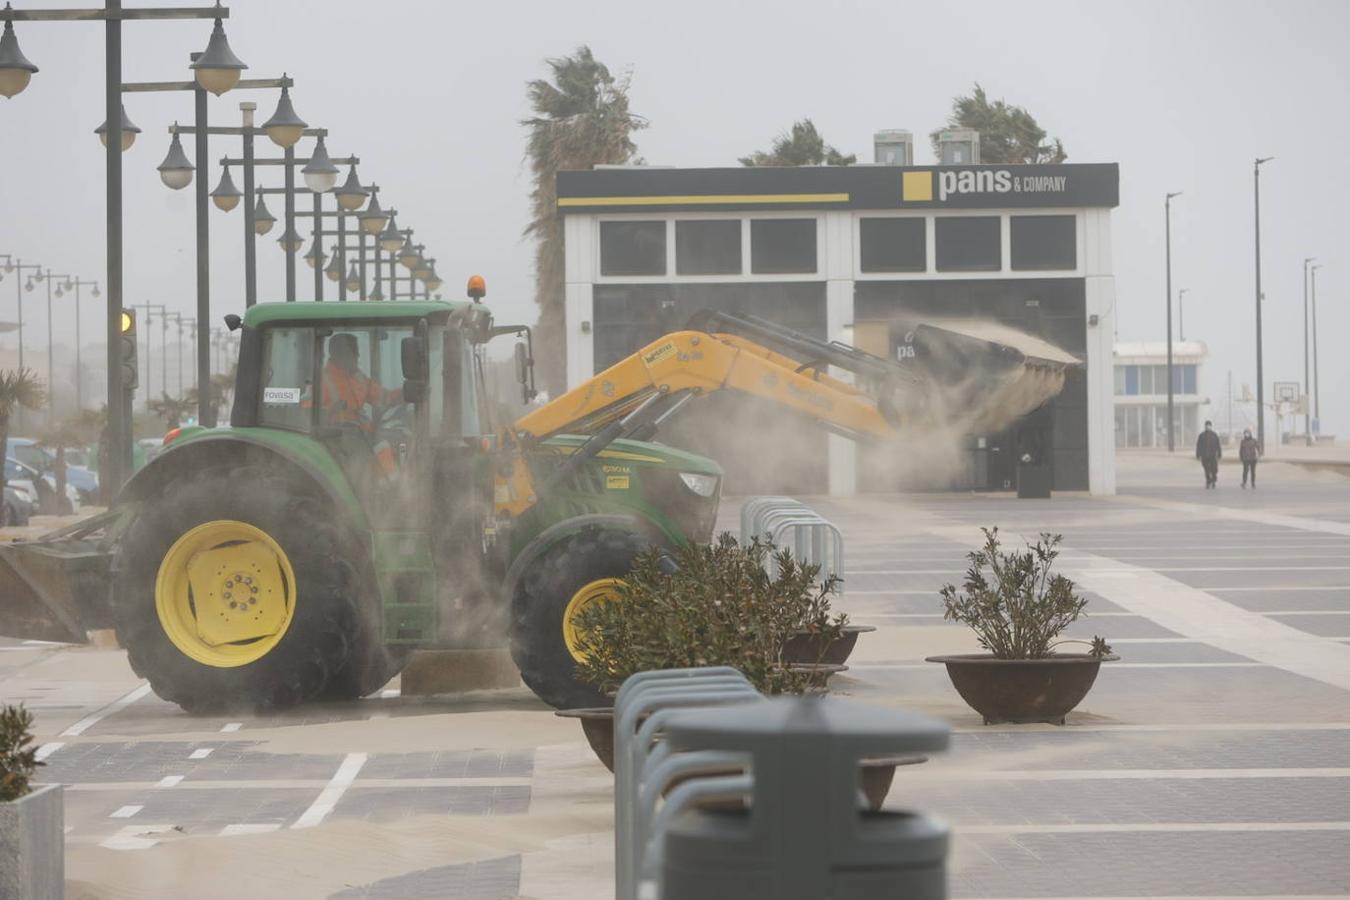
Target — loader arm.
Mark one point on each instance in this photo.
(698, 363)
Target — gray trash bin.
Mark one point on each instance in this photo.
(807, 834)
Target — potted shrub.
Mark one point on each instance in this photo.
(715, 605)
(1017, 608)
(32, 857)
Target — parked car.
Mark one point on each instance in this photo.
(29, 452)
(17, 508)
(41, 489)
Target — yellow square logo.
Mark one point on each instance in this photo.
(916, 187)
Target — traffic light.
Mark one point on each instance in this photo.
(130, 380)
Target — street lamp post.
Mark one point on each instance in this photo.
(1317, 378)
(317, 169)
(149, 347)
(17, 267)
(1260, 369)
(1181, 313)
(49, 277)
(1171, 420)
(79, 366)
(1307, 384)
(217, 71)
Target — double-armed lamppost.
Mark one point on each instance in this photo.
(1260, 364)
(77, 283)
(1316, 377)
(1171, 420)
(217, 71)
(17, 267)
(52, 279)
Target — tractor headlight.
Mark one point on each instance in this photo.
(703, 485)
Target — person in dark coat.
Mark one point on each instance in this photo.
(1249, 452)
(1209, 452)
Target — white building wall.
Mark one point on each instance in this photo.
(1100, 299)
(838, 270)
(580, 255)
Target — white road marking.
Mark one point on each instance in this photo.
(1303, 612)
(1084, 828)
(133, 837)
(169, 781)
(938, 774)
(126, 812)
(301, 784)
(231, 830)
(1280, 587)
(48, 749)
(202, 753)
(863, 667)
(93, 719)
(1193, 612)
(329, 797)
(1302, 523)
(231, 726)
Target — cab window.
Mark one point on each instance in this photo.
(287, 378)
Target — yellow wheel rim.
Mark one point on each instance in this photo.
(602, 590)
(225, 593)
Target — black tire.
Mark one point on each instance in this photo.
(540, 599)
(325, 625)
(368, 668)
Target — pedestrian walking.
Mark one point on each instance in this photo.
(1249, 452)
(1209, 452)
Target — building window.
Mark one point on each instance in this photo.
(1131, 380)
(1146, 379)
(1188, 385)
(1043, 242)
(968, 244)
(708, 247)
(893, 245)
(1120, 380)
(632, 248)
(782, 246)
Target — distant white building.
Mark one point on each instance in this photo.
(1141, 393)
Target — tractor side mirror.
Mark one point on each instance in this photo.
(414, 359)
(416, 368)
(525, 372)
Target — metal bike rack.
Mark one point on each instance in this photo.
(792, 524)
(643, 704)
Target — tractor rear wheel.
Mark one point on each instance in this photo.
(230, 591)
(575, 572)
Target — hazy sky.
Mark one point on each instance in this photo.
(429, 94)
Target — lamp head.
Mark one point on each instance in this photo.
(175, 171)
(15, 69)
(217, 68)
(285, 128)
(129, 132)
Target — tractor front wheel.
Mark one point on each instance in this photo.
(230, 591)
(575, 572)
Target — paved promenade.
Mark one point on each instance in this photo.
(1212, 761)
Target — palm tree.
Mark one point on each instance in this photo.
(802, 145)
(76, 431)
(1008, 134)
(173, 410)
(581, 119)
(19, 389)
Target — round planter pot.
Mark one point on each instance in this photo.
(809, 647)
(597, 723)
(819, 673)
(1022, 690)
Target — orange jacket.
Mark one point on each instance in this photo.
(345, 394)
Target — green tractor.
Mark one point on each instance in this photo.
(360, 504)
(363, 502)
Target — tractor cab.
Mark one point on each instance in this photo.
(389, 389)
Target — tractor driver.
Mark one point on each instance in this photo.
(347, 391)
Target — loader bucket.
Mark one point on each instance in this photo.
(56, 587)
(981, 375)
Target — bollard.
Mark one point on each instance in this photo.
(806, 834)
(640, 708)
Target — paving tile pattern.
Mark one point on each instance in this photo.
(490, 879)
(1152, 865)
